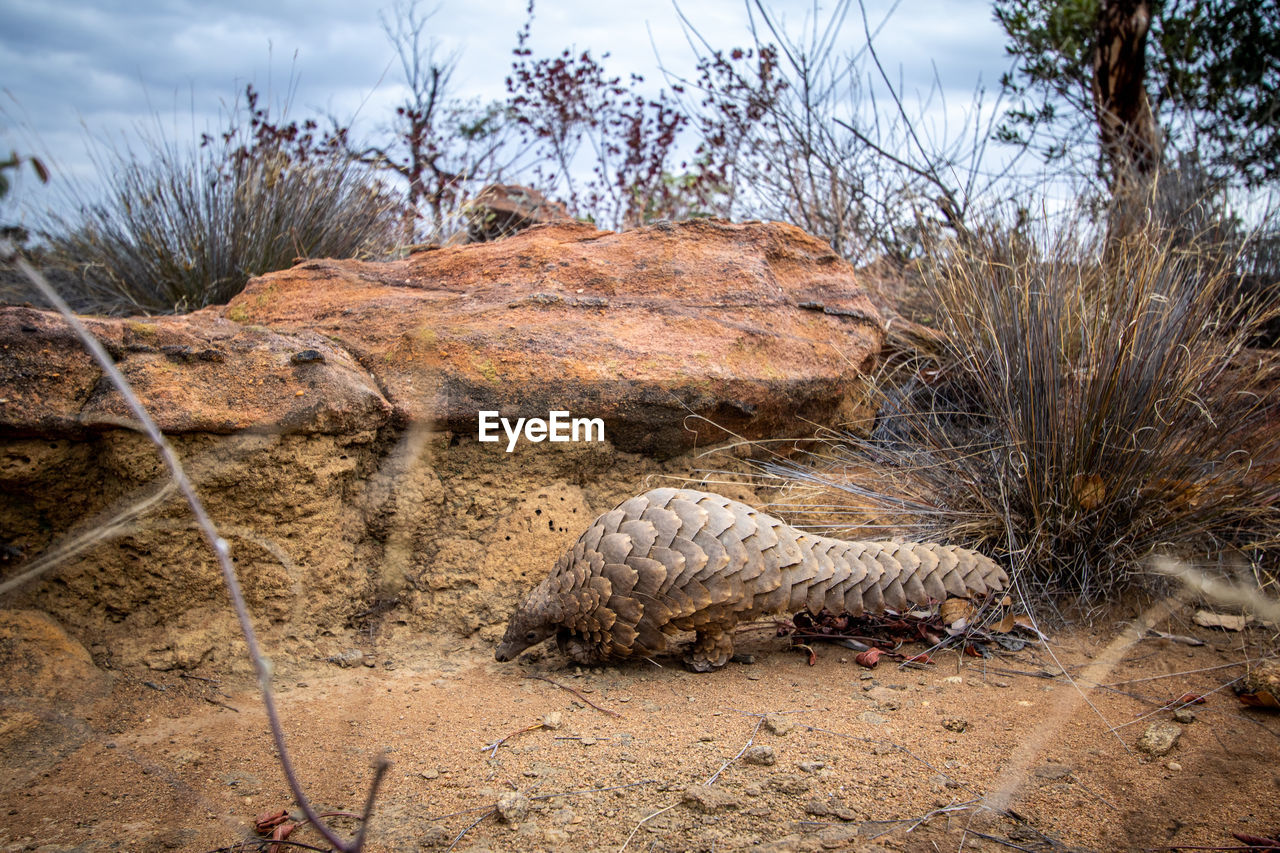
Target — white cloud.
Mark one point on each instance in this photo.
(115, 65)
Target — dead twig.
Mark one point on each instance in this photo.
(191, 677)
(575, 693)
(710, 781)
(380, 768)
(221, 549)
(262, 844)
(917, 821)
(493, 747)
(641, 823)
(714, 776)
(1173, 674)
(221, 704)
(1003, 841)
(492, 810)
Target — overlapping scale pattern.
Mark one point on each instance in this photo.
(674, 560)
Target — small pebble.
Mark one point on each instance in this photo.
(1159, 738)
(817, 807)
(513, 807)
(778, 725)
(1053, 770)
(709, 799)
(762, 756)
(1173, 765)
(1186, 716)
(553, 720)
(955, 725)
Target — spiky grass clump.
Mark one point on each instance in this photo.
(1089, 403)
(179, 229)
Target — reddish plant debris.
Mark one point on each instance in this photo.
(869, 658)
(886, 633)
(268, 821)
(1258, 843)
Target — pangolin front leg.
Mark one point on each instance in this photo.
(675, 560)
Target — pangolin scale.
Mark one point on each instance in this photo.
(674, 560)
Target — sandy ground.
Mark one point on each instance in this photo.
(774, 754)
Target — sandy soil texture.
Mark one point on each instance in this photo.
(1019, 751)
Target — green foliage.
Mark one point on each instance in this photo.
(1088, 403)
(180, 228)
(1213, 75)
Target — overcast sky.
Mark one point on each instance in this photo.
(71, 68)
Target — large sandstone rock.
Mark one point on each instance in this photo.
(196, 373)
(328, 419)
(759, 328)
(500, 210)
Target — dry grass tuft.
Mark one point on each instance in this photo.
(1088, 403)
(178, 229)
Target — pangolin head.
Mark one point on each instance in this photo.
(532, 623)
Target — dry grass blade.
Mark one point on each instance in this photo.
(180, 228)
(1089, 403)
(223, 553)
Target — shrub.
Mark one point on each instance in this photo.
(1087, 403)
(183, 227)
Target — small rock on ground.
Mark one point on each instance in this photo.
(778, 725)
(762, 756)
(513, 807)
(1159, 738)
(1052, 771)
(708, 799)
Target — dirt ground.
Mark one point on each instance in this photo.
(771, 753)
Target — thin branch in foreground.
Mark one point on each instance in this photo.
(714, 776)
(473, 825)
(219, 545)
(575, 693)
(642, 822)
(492, 748)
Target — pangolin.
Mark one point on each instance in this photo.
(674, 560)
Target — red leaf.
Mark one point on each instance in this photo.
(268, 820)
(282, 832)
(920, 658)
(1190, 699)
(869, 658)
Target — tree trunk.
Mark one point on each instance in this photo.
(1127, 129)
